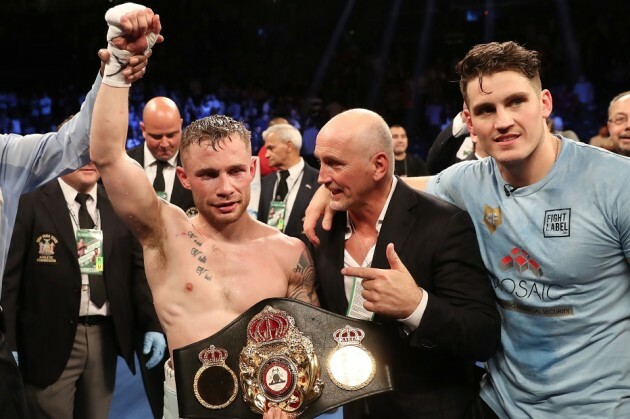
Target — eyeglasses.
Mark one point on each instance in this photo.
(619, 119)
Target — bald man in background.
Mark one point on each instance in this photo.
(162, 131)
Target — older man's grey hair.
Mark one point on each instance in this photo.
(285, 133)
(380, 139)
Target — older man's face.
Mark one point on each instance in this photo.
(618, 124)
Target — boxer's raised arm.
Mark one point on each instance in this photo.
(417, 182)
(130, 192)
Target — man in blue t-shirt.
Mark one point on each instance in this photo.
(556, 245)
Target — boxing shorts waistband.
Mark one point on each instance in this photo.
(169, 374)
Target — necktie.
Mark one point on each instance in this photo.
(97, 282)
(158, 182)
(282, 189)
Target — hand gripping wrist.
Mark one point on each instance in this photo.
(119, 58)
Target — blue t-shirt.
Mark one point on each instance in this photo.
(557, 253)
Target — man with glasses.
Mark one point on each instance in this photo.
(618, 125)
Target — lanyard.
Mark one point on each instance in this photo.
(297, 181)
(75, 219)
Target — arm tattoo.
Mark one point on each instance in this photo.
(302, 282)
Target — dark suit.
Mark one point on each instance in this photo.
(433, 367)
(180, 196)
(41, 298)
(307, 187)
(443, 152)
(410, 166)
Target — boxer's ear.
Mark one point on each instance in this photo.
(183, 178)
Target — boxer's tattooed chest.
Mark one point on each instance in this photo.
(200, 258)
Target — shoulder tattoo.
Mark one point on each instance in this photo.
(302, 284)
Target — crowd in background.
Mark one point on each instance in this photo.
(280, 58)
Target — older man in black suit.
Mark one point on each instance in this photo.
(406, 260)
(285, 194)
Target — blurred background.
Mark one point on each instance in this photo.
(307, 60)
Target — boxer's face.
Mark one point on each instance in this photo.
(219, 179)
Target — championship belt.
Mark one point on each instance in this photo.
(278, 366)
(285, 353)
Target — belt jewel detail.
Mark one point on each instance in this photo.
(350, 366)
(215, 383)
(278, 366)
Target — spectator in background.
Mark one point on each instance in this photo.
(161, 127)
(405, 164)
(289, 190)
(263, 162)
(618, 124)
(447, 147)
(602, 139)
(570, 134)
(583, 91)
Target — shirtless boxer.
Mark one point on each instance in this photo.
(207, 270)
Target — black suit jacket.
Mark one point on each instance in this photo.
(433, 367)
(181, 196)
(443, 152)
(414, 166)
(308, 186)
(41, 299)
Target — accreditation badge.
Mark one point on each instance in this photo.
(350, 366)
(278, 367)
(277, 211)
(356, 310)
(215, 383)
(90, 251)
